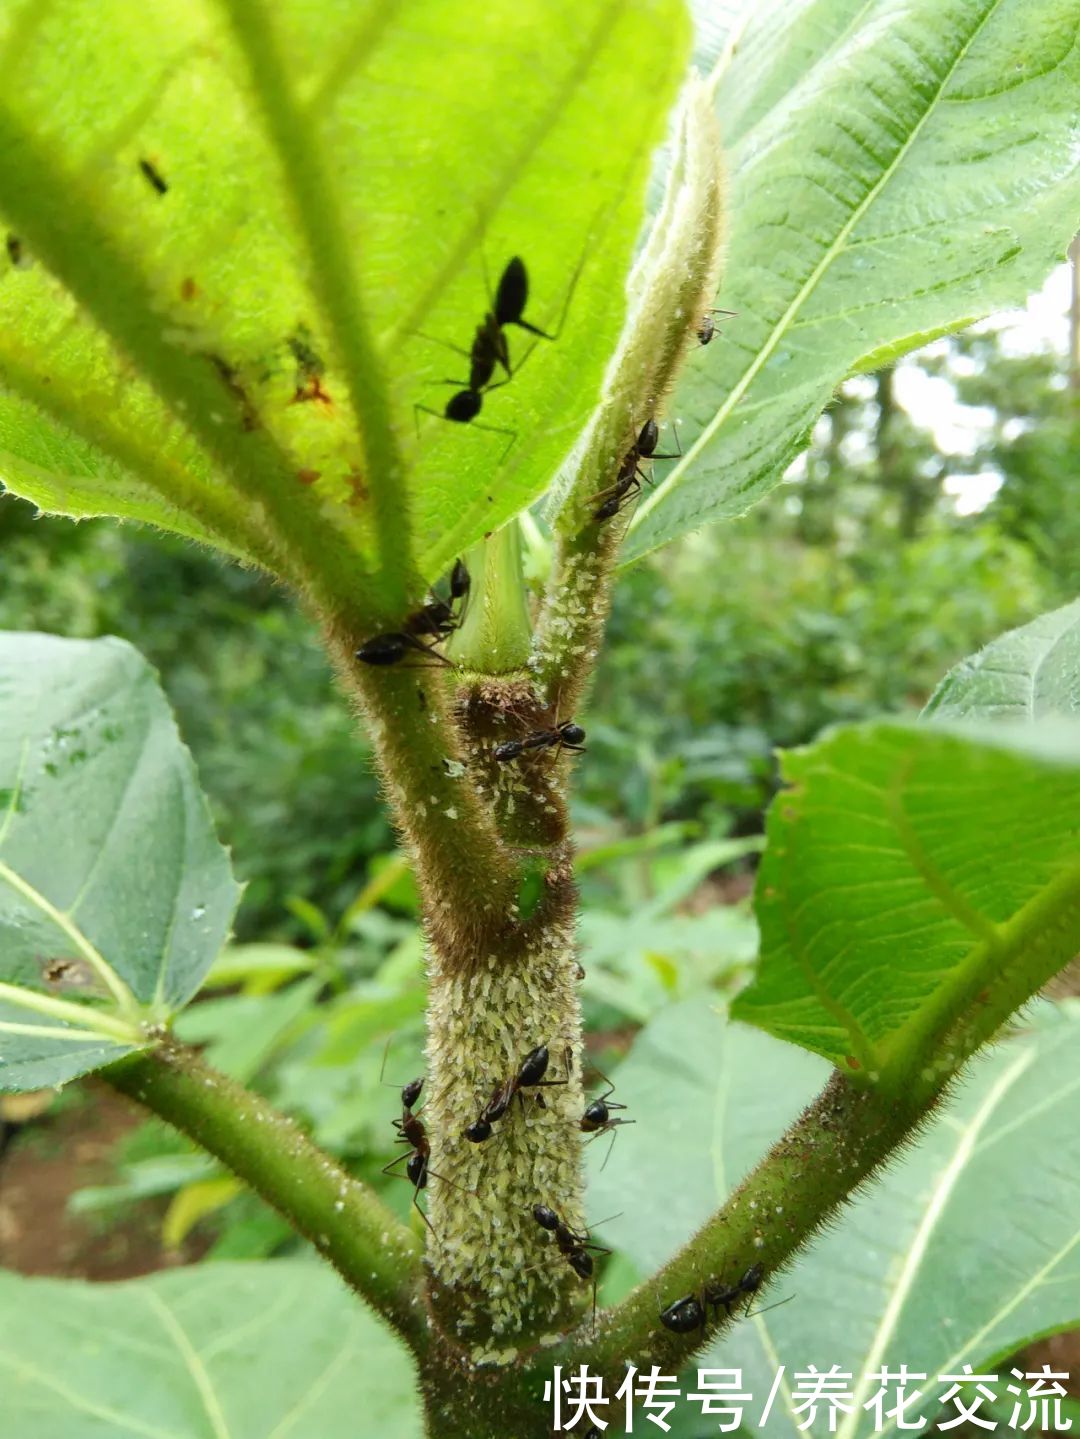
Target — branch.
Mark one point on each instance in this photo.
(671, 285)
(835, 1146)
(373, 1252)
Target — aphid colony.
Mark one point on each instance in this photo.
(684, 1315)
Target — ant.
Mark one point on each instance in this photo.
(490, 348)
(411, 1131)
(154, 177)
(690, 1312)
(390, 648)
(628, 481)
(530, 1075)
(597, 1117)
(437, 616)
(434, 618)
(707, 327)
(564, 736)
(578, 1249)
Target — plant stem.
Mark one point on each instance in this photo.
(835, 1146)
(351, 1228)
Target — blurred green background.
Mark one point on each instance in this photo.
(934, 509)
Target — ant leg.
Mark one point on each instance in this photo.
(753, 1313)
(423, 1216)
(446, 344)
(475, 424)
(389, 1168)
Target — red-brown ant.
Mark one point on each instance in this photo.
(597, 1118)
(577, 1249)
(707, 327)
(529, 1075)
(628, 481)
(435, 618)
(691, 1311)
(564, 736)
(411, 1131)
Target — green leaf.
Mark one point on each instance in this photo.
(963, 1252)
(895, 173)
(913, 874)
(222, 1351)
(257, 234)
(244, 1031)
(1026, 674)
(115, 895)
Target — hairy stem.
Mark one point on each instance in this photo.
(835, 1146)
(672, 284)
(351, 1228)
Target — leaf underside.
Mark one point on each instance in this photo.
(212, 219)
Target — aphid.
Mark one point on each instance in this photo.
(628, 481)
(707, 328)
(564, 736)
(153, 176)
(529, 1075)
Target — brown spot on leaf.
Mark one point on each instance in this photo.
(308, 477)
(359, 491)
(188, 288)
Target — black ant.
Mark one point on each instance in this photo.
(390, 648)
(564, 736)
(154, 177)
(489, 347)
(14, 249)
(691, 1312)
(707, 327)
(435, 618)
(628, 481)
(597, 1117)
(578, 1249)
(530, 1075)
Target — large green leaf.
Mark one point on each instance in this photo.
(115, 896)
(222, 1351)
(250, 343)
(1026, 674)
(897, 170)
(908, 869)
(965, 1250)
